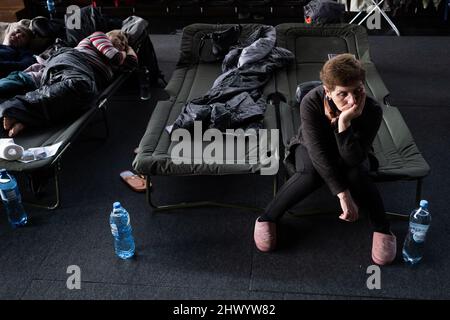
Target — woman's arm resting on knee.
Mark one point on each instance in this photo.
(350, 211)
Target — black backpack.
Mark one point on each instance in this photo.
(323, 11)
(138, 33)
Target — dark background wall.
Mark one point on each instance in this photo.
(168, 15)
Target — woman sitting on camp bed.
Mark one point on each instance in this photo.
(338, 126)
(62, 87)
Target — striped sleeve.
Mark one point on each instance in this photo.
(102, 43)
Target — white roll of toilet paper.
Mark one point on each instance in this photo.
(9, 150)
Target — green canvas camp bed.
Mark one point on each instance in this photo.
(191, 79)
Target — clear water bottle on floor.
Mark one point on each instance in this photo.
(121, 231)
(144, 83)
(12, 200)
(414, 245)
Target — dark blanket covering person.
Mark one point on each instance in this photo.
(235, 99)
(66, 87)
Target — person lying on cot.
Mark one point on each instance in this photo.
(14, 55)
(338, 126)
(62, 87)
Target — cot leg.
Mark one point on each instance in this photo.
(418, 197)
(194, 204)
(57, 202)
(105, 120)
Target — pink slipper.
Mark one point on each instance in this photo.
(384, 248)
(265, 235)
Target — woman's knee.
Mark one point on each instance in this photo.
(361, 185)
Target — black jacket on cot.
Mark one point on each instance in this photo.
(331, 152)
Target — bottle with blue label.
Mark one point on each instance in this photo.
(419, 222)
(121, 230)
(12, 200)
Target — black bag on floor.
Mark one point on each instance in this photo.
(137, 30)
(147, 58)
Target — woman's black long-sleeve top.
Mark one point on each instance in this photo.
(330, 151)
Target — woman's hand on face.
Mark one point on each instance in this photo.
(350, 211)
(350, 112)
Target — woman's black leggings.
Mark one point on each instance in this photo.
(306, 180)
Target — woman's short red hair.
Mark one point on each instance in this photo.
(342, 70)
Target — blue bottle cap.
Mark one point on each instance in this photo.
(116, 205)
(424, 204)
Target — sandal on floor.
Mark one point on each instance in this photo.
(134, 181)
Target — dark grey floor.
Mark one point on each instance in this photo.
(209, 253)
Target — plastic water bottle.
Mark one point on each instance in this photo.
(144, 83)
(121, 230)
(414, 245)
(51, 6)
(12, 200)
